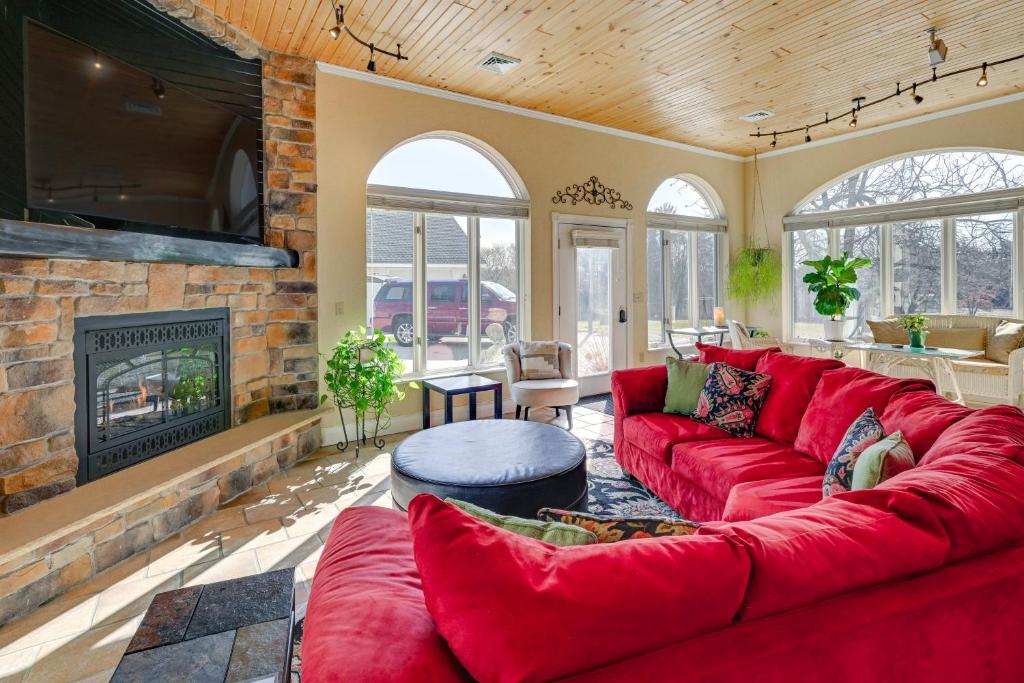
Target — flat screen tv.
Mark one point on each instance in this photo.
(110, 145)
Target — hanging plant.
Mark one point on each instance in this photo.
(755, 274)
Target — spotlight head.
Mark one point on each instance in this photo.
(936, 49)
(983, 79)
(335, 32)
(853, 121)
(807, 134)
(914, 96)
(371, 66)
(773, 143)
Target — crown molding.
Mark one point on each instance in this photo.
(431, 91)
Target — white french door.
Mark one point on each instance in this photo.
(592, 309)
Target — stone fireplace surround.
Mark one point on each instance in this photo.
(274, 368)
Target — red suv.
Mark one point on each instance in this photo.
(447, 309)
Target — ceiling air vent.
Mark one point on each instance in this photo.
(757, 116)
(499, 63)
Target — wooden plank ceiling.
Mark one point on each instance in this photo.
(682, 70)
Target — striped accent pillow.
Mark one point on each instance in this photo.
(539, 360)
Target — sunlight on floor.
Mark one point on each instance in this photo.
(80, 636)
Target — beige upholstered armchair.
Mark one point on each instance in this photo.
(741, 339)
(561, 392)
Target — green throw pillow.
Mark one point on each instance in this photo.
(685, 381)
(554, 533)
(882, 460)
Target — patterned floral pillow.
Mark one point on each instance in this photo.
(611, 528)
(731, 399)
(865, 431)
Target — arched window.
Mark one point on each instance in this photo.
(445, 223)
(942, 229)
(684, 224)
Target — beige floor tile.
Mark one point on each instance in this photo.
(14, 666)
(252, 536)
(310, 520)
(132, 569)
(176, 553)
(74, 659)
(272, 506)
(250, 497)
(221, 520)
(232, 566)
(290, 553)
(336, 495)
(59, 619)
(130, 599)
(296, 482)
(338, 473)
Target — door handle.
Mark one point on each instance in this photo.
(622, 315)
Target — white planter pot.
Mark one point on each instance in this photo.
(835, 330)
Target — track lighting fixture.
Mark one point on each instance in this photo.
(861, 102)
(339, 26)
(158, 89)
(936, 48)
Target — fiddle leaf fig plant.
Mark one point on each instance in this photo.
(831, 281)
(364, 375)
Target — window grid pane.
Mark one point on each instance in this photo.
(655, 293)
(389, 279)
(917, 267)
(679, 278)
(707, 277)
(864, 242)
(806, 245)
(984, 264)
(499, 287)
(447, 295)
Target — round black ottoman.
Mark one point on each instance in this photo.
(508, 466)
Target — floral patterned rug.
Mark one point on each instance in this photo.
(612, 492)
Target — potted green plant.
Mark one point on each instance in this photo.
(916, 326)
(363, 376)
(831, 281)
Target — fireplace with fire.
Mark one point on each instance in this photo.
(148, 383)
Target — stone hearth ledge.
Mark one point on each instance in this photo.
(62, 542)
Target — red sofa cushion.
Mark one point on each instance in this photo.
(656, 433)
(717, 466)
(639, 390)
(515, 609)
(976, 495)
(987, 429)
(793, 381)
(922, 416)
(366, 591)
(754, 499)
(841, 397)
(742, 359)
(833, 547)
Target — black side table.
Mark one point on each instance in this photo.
(449, 387)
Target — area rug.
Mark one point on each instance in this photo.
(601, 403)
(612, 492)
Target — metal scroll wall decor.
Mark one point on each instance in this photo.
(593, 192)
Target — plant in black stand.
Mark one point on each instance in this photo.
(916, 327)
(831, 282)
(363, 376)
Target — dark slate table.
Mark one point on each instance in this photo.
(226, 632)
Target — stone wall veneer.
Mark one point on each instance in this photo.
(273, 311)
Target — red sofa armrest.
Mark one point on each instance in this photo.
(639, 390)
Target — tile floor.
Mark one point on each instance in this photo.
(81, 635)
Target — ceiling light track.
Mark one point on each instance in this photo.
(340, 25)
(860, 103)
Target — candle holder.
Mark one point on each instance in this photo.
(719, 316)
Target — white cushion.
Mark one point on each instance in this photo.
(546, 392)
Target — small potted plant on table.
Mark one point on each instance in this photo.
(917, 327)
(363, 375)
(831, 281)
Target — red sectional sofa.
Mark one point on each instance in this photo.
(921, 578)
